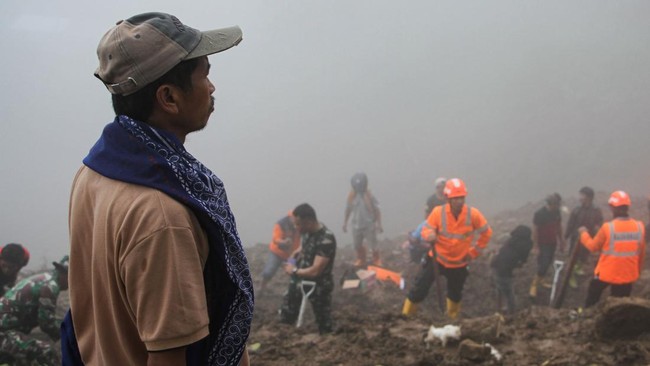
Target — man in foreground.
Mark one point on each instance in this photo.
(158, 275)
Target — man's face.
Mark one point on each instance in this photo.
(198, 103)
(302, 225)
(456, 204)
(585, 200)
(8, 268)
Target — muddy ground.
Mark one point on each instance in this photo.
(371, 331)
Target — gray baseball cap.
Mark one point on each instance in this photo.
(141, 49)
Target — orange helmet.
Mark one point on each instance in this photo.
(619, 198)
(455, 188)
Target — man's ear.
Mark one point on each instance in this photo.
(167, 97)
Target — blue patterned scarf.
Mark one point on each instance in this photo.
(134, 152)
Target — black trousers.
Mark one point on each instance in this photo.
(321, 304)
(596, 288)
(545, 258)
(455, 281)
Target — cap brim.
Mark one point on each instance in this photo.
(215, 41)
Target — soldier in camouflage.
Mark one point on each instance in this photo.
(315, 263)
(30, 304)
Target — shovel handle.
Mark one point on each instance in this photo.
(305, 297)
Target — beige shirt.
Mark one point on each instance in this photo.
(136, 271)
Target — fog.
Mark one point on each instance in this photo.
(519, 99)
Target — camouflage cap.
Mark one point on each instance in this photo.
(141, 49)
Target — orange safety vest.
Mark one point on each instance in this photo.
(457, 240)
(282, 230)
(622, 246)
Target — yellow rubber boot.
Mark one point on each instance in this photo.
(409, 308)
(545, 283)
(533, 287)
(453, 309)
(573, 280)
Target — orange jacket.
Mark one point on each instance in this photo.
(282, 230)
(622, 246)
(456, 242)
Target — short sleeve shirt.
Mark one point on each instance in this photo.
(548, 225)
(136, 271)
(362, 215)
(321, 243)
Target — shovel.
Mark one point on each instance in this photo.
(305, 297)
(557, 267)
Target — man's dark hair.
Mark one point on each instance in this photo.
(587, 191)
(554, 198)
(139, 105)
(305, 211)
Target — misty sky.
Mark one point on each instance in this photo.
(518, 98)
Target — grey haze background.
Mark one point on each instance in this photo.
(518, 98)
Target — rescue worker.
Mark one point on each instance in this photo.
(437, 198)
(315, 263)
(418, 247)
(586, 215)
(451, 229)
(13, 257)
(366, 219)
(30, 304)
(513, 254)
(286, 240)
(547, 233)
(621, 243)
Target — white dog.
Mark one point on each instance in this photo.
(443, 334)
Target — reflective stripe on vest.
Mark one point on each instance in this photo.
(479, 231)
(447, 261)
(443, 225)
(625, 237)
(445, 233)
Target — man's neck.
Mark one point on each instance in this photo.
(456, 214)
(165, 125)
(317, 227)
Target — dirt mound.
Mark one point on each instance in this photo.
(371, 331)
(623, 318)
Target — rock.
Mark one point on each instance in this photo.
(484, 329)
(623, 318)
(470, 350)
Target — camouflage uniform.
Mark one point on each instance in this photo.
(321, 243)
(31, 303)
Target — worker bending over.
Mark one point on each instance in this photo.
(621, 245)
(452, 230)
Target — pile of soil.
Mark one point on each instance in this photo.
(369, 329)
